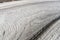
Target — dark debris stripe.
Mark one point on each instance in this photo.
(41, 31)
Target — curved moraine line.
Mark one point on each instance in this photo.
(41, 31)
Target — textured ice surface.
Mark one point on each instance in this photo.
(23, 21)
